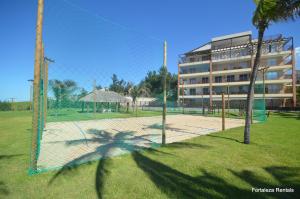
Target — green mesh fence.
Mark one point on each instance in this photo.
(94, 77)
(259, 106)
(101, 93)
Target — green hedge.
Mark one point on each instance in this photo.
(14, 106)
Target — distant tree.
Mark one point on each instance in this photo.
(5, 106)
(134, 93)
(118, 85)
(62, 90)
(154, 82)
(140, 90)
(82, 93)
(98, 87)
(266, 12)
(127, 88)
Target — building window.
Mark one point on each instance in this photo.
(192, 91)
(272, 62)
(204, 80)
(272, 75)
(244, 77)
(183, 71)
(230, 78)
(205, 91)
(243, 89)
(193, 81)
(218, 79)
(192, 70)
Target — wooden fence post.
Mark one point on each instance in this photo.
(36, 83)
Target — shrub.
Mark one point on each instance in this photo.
(5, 106)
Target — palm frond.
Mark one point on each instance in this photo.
(268, 11)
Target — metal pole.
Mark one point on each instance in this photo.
(94, 96)
(228, 101)
(182, 96)
(36, 83)
(45, 91)
(47, 61)
(30, 94)
(41, 100)
(264, 87)
(165, 95)
(223, 112)
(202, 105)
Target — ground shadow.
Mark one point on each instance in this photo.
(2, 157)
(168, 127)
(294, 115)
(285, 177)
(3, 189)
(176, 184)
(222, 137)
(187, 145)
(108, 144)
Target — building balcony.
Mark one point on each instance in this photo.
(234, 71)
(234, 83)
(193, 59)
(218, 97)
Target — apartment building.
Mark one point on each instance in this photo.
(224, 65)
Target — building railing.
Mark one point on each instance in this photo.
(193, 58)
(272, 44)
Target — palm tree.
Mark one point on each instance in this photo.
(62, 90)
(137, 91)
(267, 12)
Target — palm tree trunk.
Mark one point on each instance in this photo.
(250, 94)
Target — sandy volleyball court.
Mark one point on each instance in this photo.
(69, 143)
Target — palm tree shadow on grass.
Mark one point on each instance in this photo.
(289, 115)
(176, 184)
(3, 189)
(181, 130)
(3, 157)
(285, 176)
(214, 135)
(108, 144)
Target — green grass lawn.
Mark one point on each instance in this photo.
(213, 166)
(73, 114)
(76, 115)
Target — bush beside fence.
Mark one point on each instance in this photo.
(14, 106)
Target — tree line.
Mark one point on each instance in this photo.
(151, 85)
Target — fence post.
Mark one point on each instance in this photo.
(36, 83)
(223, 112)
(45, 92)
(165, 95)
(94, 97)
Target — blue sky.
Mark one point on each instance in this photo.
(91, 39)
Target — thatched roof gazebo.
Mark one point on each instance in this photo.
(104, 101)
(104, 96)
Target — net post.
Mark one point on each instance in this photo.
(165, 95)
(94, 97)
(41, 92)
(223, 112)
(45, 91)
(36, 84)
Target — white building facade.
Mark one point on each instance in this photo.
(224, 65)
